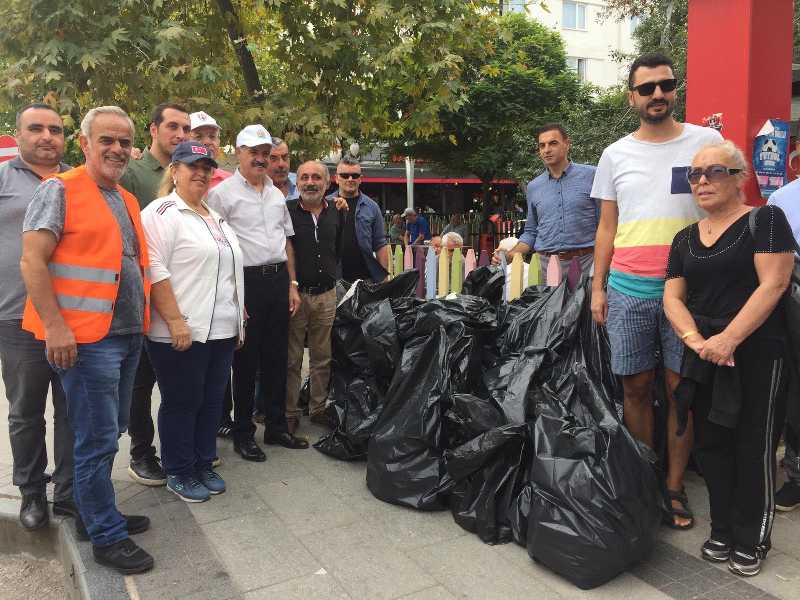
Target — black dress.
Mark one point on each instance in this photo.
(737, 458)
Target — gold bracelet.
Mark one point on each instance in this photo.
(687, 334)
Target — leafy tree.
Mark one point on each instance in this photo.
(520, 85)
(318, 72)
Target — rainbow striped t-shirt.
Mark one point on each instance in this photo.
(648, 182)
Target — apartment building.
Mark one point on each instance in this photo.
(590, 40)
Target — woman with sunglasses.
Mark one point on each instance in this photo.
(726, 277)
(197, 319)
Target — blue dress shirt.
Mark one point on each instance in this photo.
(562, 215)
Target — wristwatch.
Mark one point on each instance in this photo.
(295, 283)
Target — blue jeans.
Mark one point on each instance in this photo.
(192, 385)
(98, 391)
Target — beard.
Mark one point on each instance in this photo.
(656, 119)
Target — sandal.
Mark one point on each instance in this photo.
(684, 512)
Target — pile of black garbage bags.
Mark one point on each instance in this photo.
(503, 413)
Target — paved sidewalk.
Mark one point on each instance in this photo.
(304, 526)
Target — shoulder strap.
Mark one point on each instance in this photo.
(751, 222)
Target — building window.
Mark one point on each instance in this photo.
(635, 22)
(514, 6)
(574, 15)
(578, 65)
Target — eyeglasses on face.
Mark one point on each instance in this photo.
(348, 175)
(713, 173)
(649, 88)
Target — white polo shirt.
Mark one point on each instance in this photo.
(260, 220)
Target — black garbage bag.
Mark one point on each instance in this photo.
(366, 348)
(595, 502)
(485, 282)
(534, 331)
(489, 472)
(491, 494)
(305, 395)
(443, 356)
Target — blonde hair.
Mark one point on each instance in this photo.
(167, 182)
(733, 153)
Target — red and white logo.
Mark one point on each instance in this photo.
(8, 147)
(200, 150)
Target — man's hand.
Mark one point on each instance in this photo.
(496, 256)
(62, 351)
(180, 333)
(341, 203)
(294, 299)
(599, 306)
(719, 349)
(136, 153)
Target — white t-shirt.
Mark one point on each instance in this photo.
(648, 182)
(224, 321)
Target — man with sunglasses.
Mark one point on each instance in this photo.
(364, 253)
(646, 199)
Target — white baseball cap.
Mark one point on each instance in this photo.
(201, 119)
(253, 135)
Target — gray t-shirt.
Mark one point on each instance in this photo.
(17, 185)
(47, 211)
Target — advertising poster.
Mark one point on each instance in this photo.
(770, 151)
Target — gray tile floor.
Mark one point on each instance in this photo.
(304, 526)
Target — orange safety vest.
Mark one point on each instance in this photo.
(85, 266)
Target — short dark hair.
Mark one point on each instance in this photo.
(649, 60)
(276, 141)
(552, 127)
(31, 106)
(157, 116)
(347, 159)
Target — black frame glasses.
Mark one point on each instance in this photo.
(649, 88)
(349, 175)
(713, 173)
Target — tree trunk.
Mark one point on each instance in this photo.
(236, 35)
(670, 8)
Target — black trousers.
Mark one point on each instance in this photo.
(739, 464)
(141, 427)
(265, 350)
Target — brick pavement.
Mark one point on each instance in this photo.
(304, 526)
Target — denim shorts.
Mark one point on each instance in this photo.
(638, 331)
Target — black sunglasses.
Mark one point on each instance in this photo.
(649, 88)
(349, 175)
(713, 173)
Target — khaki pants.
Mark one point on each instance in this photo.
(315, 317)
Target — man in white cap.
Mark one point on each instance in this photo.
(206, 130)
(257, 212)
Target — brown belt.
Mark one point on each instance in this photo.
(568, 254)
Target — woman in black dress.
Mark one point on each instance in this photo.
(726, 277)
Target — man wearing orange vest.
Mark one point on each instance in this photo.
(84, 262)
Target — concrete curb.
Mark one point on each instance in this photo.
(57, 541)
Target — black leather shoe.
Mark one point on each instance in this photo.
(148, 471)
(249, 450)
(135, 523)
(286, 439)
(33, 512)
(124, 556)
(66, 508)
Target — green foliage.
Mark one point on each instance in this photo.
(316, 72)
(520, 85)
